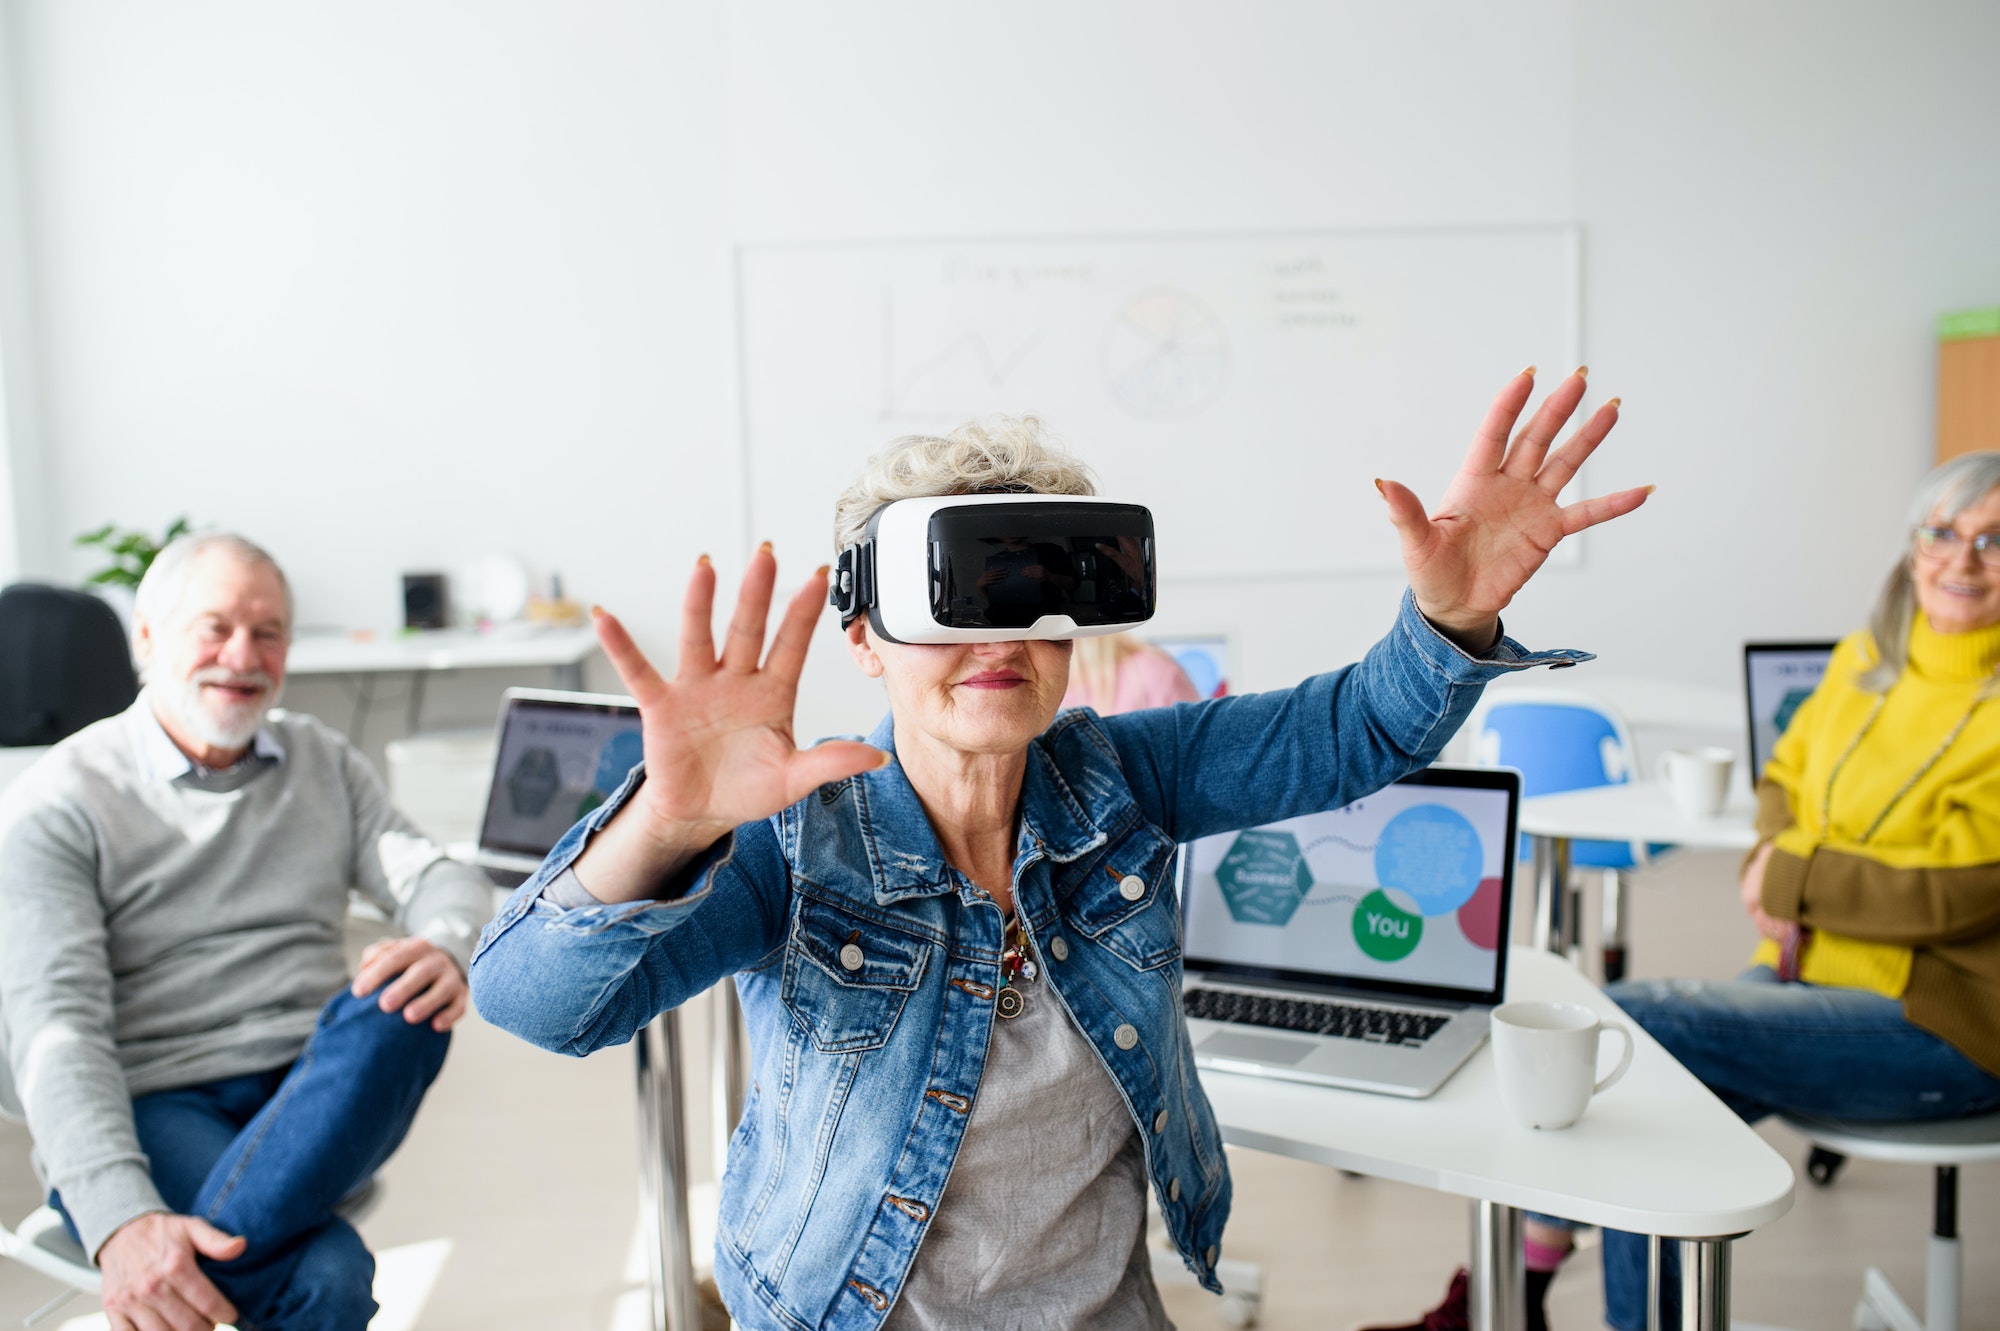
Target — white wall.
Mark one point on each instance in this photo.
(22, 482)
(387, 283)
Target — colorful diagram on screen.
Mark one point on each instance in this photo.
(1428, 862)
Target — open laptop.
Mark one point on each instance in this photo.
(1777, 677)
(1363, 947)
(559, 756)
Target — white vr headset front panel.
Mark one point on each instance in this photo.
(902, 609)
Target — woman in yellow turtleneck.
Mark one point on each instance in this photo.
(1877, 872)
(1875, 995)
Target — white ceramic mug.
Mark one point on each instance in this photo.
(1546, 1054)
(1698, 779)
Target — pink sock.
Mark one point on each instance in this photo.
(1542, 1256)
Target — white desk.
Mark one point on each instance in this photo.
(560, 650)
(1656, 1154)
(1638, 811)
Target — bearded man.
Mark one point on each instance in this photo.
(203, 1082)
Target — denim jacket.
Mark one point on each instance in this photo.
(867, 965)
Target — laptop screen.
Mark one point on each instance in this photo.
(1777, 677)
(1405, 891)
(560, 756)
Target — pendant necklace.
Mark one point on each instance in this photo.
(1840, 764)
(1017, 967)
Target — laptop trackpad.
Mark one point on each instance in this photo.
(1255, 1048)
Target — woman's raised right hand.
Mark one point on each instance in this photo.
(718, 736)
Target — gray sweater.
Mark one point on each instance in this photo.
(162, 925)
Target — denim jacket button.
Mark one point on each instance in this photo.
(1131, 887)
(850, 957)
(1125, 1036)
(1174, 1191)
(1059, 948)
(1160, 1121)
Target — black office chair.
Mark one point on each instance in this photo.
(64, 663)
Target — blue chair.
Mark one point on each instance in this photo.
(1568, 741)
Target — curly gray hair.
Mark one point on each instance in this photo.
(999, 455)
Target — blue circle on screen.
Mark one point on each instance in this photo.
(1433, 854)
(620, 754)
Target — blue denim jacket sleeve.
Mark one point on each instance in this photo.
(1202, 768)
(576, 980)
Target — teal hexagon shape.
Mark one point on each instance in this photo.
(1264, 877)
(533, 783)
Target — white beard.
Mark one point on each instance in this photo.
(223, 726)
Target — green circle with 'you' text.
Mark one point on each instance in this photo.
(1384, 930)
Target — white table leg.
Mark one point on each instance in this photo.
(1497, 1297)
(663, 1175)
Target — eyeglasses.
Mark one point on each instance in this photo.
(1944, 543)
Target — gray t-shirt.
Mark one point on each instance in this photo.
(1042, 1226)
(162, 926)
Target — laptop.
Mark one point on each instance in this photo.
(1363, 947)
(1777, 677)
(559, 756)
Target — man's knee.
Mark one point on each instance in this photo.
(333, 1285)
(366, 1015)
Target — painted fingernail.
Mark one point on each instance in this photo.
(1583, 372)
(1530, 372)
(887, 758)
(824, 569)
(764, 549)
(1380, 488)
(1613, 403)
(597, 612)
(704, 560)
(1651, 488)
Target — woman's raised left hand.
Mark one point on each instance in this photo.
(1500, 517)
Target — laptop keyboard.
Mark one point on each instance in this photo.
(1314, 1016)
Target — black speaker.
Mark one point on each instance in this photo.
(423, 601)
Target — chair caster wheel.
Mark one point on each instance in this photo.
(1239, 1311)
(1823, 1166)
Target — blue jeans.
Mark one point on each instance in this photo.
(1765, 1046)
(269, 1155)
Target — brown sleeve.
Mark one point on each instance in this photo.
(1866, 899)
(1774, 809)
(1774, 815)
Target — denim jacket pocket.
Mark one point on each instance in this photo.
(1137, 925)
(846, 978)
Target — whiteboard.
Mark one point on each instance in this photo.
(1247, 388)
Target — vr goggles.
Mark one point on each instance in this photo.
(999, 568)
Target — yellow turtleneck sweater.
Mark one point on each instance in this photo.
(1887, 838)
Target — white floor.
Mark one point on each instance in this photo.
(514, 1202)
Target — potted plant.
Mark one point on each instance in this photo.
(132, 553)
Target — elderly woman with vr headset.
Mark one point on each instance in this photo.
(956, 943)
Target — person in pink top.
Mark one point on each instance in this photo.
(1118, 673)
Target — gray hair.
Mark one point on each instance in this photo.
(1948, 491)
(999, 455)
(166, 578)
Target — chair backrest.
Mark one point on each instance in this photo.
(64, 663)
(1561, 741)
(1557, 742)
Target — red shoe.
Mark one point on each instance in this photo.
(1451, 1315)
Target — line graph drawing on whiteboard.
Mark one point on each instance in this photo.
(957, 377)
(1166, 354)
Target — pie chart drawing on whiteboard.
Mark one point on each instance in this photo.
(1166, 354)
